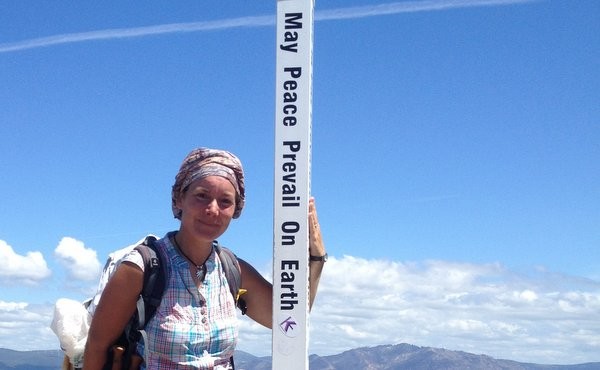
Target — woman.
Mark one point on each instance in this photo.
(195, 325)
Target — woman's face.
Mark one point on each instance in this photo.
(207, 207)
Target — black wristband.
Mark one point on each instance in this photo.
(322, 258)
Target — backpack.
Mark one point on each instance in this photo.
(68, 316)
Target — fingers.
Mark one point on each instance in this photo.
(313, 221)
(136, 361)
(316, 247)
(117, 357)
(312, 213)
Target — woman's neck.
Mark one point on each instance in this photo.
(196, 251)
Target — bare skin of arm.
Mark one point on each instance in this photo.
(117, 305)
(316, 248)
(259, 296)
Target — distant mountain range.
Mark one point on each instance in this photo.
(389, 357)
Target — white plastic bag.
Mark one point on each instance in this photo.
(71, 323)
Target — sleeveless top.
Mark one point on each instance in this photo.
(193, 328)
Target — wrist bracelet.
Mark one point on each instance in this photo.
(322, 258)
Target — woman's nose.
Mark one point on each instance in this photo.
(212, 208)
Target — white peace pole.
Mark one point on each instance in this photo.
(292, 183)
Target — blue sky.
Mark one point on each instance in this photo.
(455, 161)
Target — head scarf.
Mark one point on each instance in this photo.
(203, 162)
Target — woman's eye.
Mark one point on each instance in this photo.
(201, 196)
(227, 202)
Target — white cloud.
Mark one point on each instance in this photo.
(478, 308)
(29, 268)
(81, 262)
(24, 326)
(475, 308)
(256, 21)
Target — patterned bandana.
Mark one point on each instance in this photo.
(203, 162)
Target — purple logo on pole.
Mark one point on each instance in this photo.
(288, 325)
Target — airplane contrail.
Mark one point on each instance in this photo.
(408, 7)
(251, 22)
(120, 33)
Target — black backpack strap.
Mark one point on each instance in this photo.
(154, 280)
(231, 267)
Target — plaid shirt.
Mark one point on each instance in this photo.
(193, 328)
